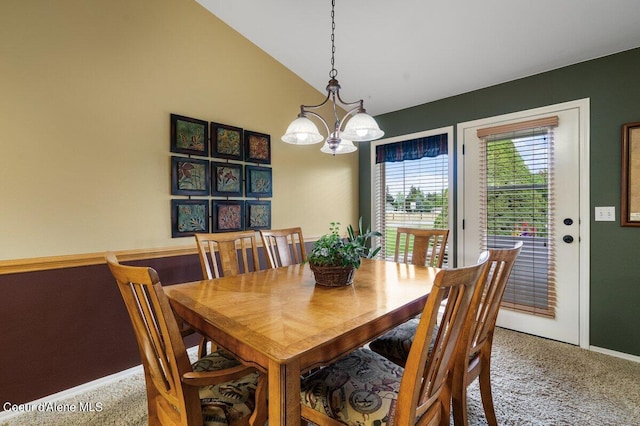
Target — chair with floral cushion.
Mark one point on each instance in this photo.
(418, 247)
(364, 388)
(283, 247)
(216, 390)
(475, 360)
(232, 250)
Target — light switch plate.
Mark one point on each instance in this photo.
(605, 214)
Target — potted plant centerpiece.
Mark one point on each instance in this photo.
(334, 259)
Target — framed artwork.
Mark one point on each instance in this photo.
(630, 179)
(226, 179)
(258, 181)
(189, 217)
(257, 147)
(189, 136)
(189, 176)
(258, 215)
(226, 141)
(228, 215)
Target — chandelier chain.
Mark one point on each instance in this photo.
(333, 73)
(360, 126)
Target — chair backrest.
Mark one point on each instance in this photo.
(162, 349)
(283, 247)
(421, 246)
(490, 293)
(424, 390)
(226, 245)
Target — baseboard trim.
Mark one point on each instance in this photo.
(616, 354)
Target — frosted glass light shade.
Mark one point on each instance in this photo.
(302, 131)
(362, 127)
(345, 147)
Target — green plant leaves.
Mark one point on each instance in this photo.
(332, 250)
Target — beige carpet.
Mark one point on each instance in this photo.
(535, 382)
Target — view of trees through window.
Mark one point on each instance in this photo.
(516, 197)
(517, 187)
(411, 193)
(419, 201)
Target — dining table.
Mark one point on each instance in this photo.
(280, 321)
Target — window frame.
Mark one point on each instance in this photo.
(449, 130)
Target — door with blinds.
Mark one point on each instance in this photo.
(520, 176)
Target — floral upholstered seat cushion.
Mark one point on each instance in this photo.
(396, 344)
(359, 389)
(224, 403)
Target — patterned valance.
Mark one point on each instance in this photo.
(430, 146)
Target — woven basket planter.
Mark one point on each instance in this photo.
(333, 276)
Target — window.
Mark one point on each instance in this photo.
(515, 205)
(410, 187)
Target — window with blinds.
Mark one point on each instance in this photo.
(517, 204)
(411, 188)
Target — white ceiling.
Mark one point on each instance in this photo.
(408, 52)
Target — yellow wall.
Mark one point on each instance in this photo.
(86, 89)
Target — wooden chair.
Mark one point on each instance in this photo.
(427, 248)
(226, 243)
(283, 247)
(421, 246)
(475, 360)
(365, 388)
(215, 388)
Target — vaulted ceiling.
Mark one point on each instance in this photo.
(399, 54)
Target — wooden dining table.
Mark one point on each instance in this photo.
(280, 321)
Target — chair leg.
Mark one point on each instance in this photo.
(445, 401)
(485, 390)
(152, 395)
(459, 398)
(260, 412)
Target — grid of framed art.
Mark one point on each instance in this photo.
(227, 167)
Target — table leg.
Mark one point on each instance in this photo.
(284, 393)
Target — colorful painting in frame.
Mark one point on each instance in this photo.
(257, 147)
(189, 217)
(226, 142)
(189, 176)
(228, 215)
(189, 136)
(258, 215)
(226, 179)
(258, 181)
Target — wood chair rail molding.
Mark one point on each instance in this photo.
(18, 266)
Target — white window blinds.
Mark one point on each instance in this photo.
(411, 188)
(516, 199)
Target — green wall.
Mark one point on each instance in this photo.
(612, 85)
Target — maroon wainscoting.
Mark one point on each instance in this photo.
(61, 328)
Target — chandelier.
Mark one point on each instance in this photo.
(360, 126)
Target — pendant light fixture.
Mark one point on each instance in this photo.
(358, 125)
